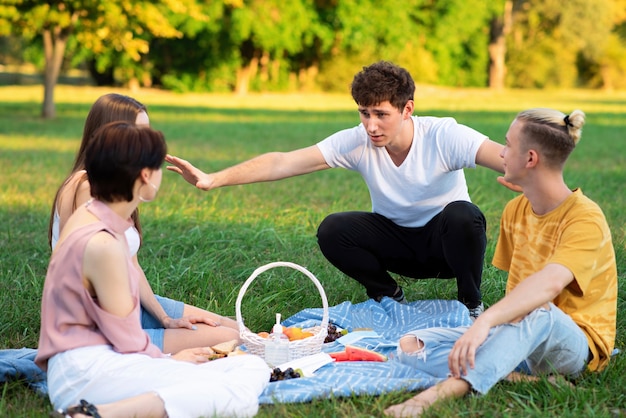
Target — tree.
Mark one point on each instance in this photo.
(500, 27)
(547, 40)
(266, 33)
(100, 26)
(54, 24)
(605, 65)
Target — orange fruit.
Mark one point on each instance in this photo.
(295, 333)
(263, 334)
(291, 333)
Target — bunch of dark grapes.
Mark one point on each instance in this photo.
(333, 334)
(278, 374)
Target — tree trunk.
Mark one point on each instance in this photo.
(500, 28)
(54, 43)
(244, 74)
(605, 75)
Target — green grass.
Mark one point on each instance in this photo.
(200, 247)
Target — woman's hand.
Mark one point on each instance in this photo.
(196, 355)
(187, 322)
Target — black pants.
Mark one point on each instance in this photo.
(367, 246)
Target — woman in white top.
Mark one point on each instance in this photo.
(172, 325)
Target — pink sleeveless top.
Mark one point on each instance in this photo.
(70, 317)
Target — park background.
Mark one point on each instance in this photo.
(226, 80)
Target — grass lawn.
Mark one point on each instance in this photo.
(201, 246)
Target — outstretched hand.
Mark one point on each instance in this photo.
(189, 172)
(509, 185)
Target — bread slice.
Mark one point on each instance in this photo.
(226, 347)
(215, 356)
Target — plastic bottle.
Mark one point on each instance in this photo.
(277, 346)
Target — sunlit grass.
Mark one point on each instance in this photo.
(201, 246)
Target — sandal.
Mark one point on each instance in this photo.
(84, 408)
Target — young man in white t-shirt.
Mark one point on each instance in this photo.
(422, 224)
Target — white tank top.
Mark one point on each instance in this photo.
(132, 235)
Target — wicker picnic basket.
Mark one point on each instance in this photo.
(298, 348)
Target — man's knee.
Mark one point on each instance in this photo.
(329, 228)
(461, 212)
(464, 216)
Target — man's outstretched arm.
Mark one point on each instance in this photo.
(266, 167)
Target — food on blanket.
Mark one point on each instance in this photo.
(339, 356)
(215, 356)
(353, 353)
(334, 333)
(292, 333)
(236, 352)
(362, 354)
(226, 347)
(289, 373)
(212, 355)
(295, 333)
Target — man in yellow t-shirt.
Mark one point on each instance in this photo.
(560, 308)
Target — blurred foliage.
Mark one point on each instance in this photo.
(309, 45)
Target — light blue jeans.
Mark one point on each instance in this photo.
(545, 341)
(152, 326)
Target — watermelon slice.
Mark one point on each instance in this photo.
(353, 353)
(339, 356)
(362, 354)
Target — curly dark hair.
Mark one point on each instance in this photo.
(383, 81)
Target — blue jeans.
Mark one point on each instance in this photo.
(545, 341)
(153, 326)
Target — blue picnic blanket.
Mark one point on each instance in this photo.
(19, 364)
(390, 320)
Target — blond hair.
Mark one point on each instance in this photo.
(554, 133)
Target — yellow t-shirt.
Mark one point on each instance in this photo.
(577, 236)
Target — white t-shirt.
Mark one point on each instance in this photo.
(430, 177)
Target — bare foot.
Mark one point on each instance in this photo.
(415, 406)
(410, 408)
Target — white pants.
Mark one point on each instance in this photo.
(226, 387)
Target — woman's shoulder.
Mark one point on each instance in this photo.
(75, 187)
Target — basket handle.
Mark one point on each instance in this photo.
(266, 267)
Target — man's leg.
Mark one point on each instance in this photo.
(414, 407)
(366, 246)
(359, 244)
(462, 231)
(427, 350)
(547, 335)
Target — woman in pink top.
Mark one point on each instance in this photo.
(91, 342)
